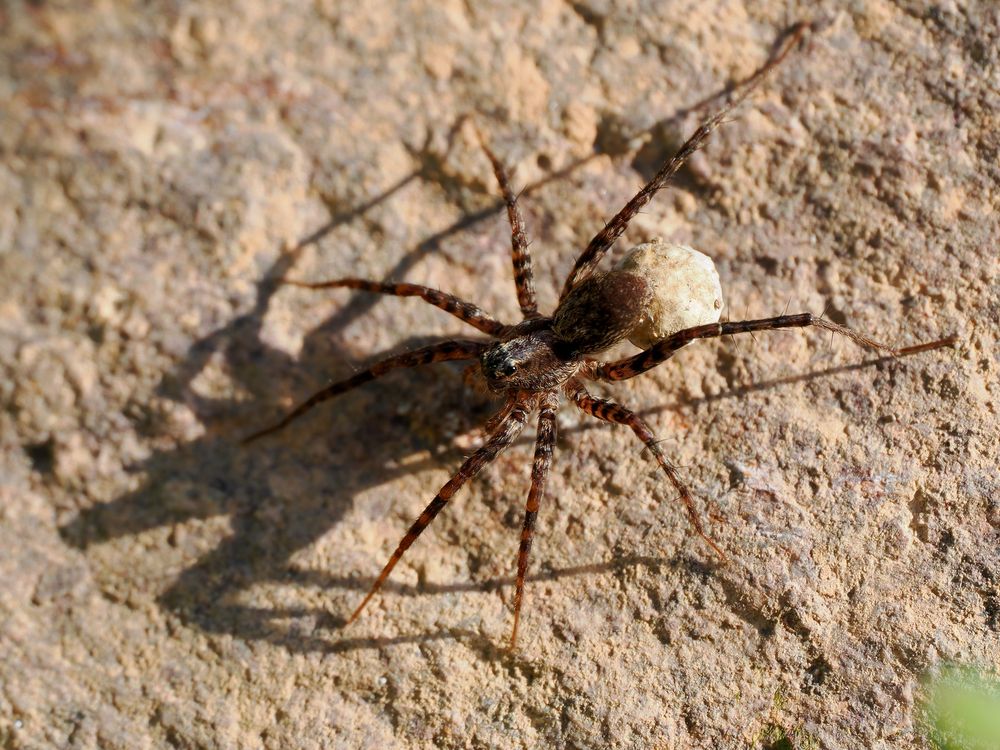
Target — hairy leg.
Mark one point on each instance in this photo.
(524, 279)
(504, 435)
(510, 401)
(464, 311)
(609, 411)
(544, 443)
(604, 239)
(664, 350)
(445, 351)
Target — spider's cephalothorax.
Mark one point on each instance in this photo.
(526, 359)
(539, 361)
(544, 353)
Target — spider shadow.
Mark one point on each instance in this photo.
(484, 646)
(284, 493)
(282, 496)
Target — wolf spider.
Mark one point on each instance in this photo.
(533, 362)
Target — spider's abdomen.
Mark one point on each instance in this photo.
(600, 311)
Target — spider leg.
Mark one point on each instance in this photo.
(524, 278)
(544, 443)
(505, 434)
(464, 311)
(664, 350)
(508, 406)
(609, 411)
(442, 352)
(604, 239)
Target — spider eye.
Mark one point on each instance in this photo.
(498, 363)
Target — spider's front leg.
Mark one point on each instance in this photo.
(609, 411)
(664, 350)
(544, 444)
(464, 311)
(504, 435)
(443, 352)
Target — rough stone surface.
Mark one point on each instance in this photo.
(165, 587)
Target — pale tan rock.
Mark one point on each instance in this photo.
(164, 586)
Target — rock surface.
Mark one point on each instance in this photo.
(165, 587)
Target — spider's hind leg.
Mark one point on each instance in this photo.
(544, 443)
(609, 411)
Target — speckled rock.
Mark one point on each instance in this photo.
(163, 164)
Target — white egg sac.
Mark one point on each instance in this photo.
(685, 289)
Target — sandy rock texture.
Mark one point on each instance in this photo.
(164, 162)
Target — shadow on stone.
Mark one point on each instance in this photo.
(363, 446)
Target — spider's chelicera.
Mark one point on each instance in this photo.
(532, 364)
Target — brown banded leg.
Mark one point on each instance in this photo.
(609, 411)
(544, 444)
(443, 352)
(604, 239)
(505, 434)
(524, 279)
(510, 401)
(464, 311)
(664, 350)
